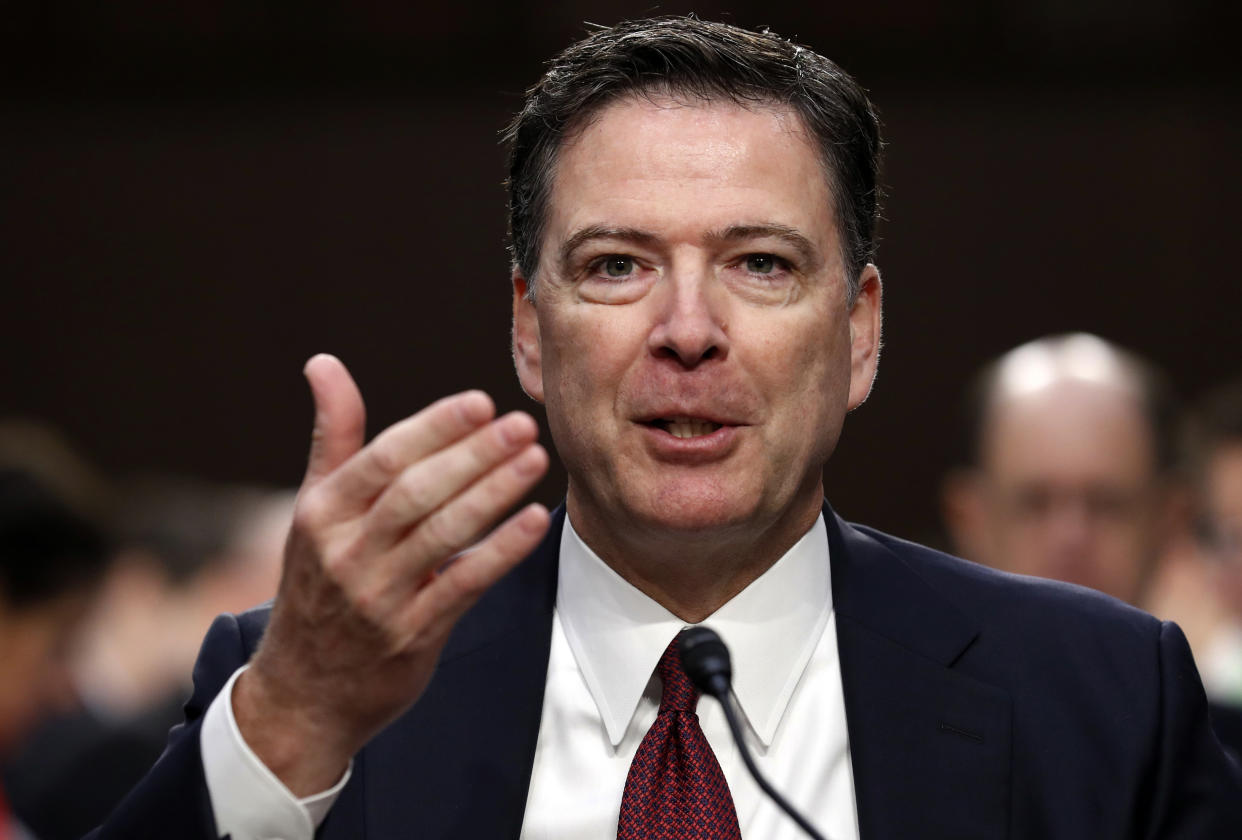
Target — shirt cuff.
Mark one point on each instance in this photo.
(247, 799)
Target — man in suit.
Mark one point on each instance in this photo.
(1071, 446)
(695, 303)
(1069, 466)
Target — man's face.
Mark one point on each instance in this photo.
(1067, 488)
(691, 337)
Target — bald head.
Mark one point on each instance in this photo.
(1069, 458)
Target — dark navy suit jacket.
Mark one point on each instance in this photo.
(979, 705)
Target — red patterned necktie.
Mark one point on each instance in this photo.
(675, 789)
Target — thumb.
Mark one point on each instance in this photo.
(340, 416)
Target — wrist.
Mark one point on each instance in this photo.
(303, 746)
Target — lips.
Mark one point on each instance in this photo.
(688, 440)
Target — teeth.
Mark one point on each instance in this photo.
(686, 427)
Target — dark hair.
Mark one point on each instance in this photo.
(684, 56)
(46, 548)
(1214, 423)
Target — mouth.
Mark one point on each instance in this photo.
(684, 427)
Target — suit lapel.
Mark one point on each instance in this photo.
(929, 746)
(458, 764)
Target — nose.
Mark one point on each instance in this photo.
(690, 328)
(1070, 531)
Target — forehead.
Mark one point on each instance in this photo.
(1070, 430)
(657, 160)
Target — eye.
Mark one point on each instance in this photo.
(618, 266)
(614, 279)
(761, 263)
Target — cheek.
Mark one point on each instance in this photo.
(586, 354)
(804, 371)
(818, 360)
(1137, 541)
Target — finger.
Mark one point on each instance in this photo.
(461, 521)
(431, 482)
(396, 573)
(340, 416)
(439, 604)
(440, 424)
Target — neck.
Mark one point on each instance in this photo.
(691, 573)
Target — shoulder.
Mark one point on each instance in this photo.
(1097, 689)
(1000, 600)
(1031, 636)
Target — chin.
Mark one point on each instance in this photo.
(688, 510)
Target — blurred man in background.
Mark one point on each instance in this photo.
(51, 559)
(187, 550)
(1073, 476)
(1215, 470)
(1071, 445)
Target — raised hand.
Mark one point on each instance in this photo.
(389, 546)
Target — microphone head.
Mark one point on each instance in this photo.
(705, 660)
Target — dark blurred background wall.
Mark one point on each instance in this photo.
(196, 196)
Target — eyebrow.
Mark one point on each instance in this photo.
(732, 234)
(593, 232)
(741, 233)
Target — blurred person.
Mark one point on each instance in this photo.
(188, 550)
(1215, 467)
(1071, 445)
(1200, 579)
(1074, 477)
(51, 559)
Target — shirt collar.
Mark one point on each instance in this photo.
(772, 627)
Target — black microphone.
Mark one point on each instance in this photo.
(705, 659)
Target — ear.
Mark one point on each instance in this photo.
(527, 356)
(865, 319)
(961, 508)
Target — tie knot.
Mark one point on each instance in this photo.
(679, 694)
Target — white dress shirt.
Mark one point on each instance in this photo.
(601, 696)
(1220, 664)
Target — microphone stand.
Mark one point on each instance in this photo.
(706, 661)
